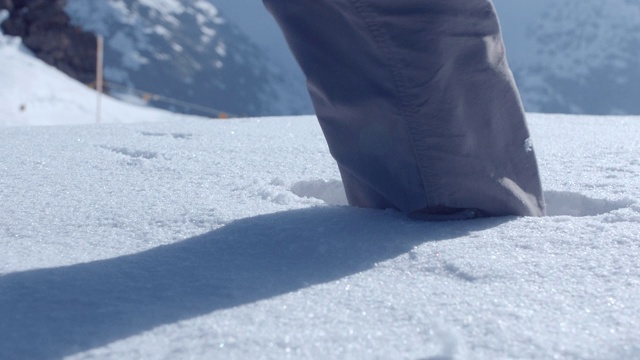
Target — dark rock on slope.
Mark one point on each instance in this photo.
(46, 30)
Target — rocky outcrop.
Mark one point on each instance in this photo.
(46, 30)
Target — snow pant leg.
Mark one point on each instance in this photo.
(417, 103)
(350, 89)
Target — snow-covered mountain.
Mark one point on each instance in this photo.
(187, 51)
(575, 56)
(570, 56)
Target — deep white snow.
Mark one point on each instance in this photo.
(194, 238)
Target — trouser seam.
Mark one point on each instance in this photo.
(405, 107)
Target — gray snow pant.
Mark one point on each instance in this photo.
(417, 104)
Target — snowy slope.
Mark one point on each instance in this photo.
(33, 93)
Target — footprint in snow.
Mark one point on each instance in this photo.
(174, 135)
(329, 191)
(131, 152)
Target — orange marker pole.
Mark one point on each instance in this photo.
(99, 66)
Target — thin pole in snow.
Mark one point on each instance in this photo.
(99, 65)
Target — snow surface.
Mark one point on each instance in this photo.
(192, 238)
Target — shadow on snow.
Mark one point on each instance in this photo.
(51, 313)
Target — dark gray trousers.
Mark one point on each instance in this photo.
(417, 103)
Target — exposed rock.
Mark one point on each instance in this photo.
(46, 30)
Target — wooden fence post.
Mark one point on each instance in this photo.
(99, 66)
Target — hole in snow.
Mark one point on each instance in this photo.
(329, 191)
(563, 203)
(559, 203)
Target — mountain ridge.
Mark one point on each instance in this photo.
(575, 56)
(186, 51)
